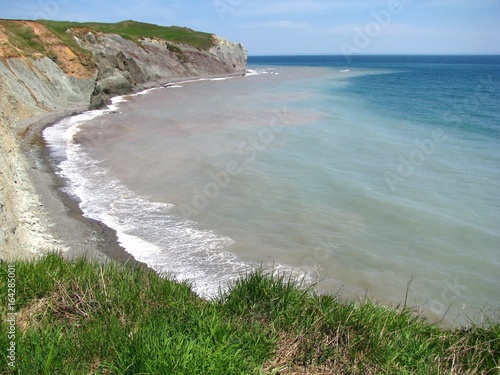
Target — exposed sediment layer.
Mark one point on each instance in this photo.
(37, 88)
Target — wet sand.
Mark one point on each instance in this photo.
(77, 235)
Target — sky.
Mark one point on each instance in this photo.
(287, 27)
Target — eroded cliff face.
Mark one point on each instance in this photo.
(123, 65)
(32, 86)
(52, 80)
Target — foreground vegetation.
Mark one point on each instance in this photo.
(88, 318)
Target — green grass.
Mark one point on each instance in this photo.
(88, 318)
(23, 37)
(135, 30)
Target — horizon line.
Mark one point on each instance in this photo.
(382, 54)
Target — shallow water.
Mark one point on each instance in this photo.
(363, 175)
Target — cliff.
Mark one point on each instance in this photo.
(49, 69)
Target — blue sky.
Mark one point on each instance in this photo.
(302, 27)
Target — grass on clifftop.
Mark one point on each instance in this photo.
(135, 30)
(23, 37)
(88, 318)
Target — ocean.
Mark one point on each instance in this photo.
(376, 177)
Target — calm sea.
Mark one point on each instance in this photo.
(359, 175)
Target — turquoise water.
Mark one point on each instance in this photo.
(361, 175)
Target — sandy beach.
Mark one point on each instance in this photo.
(39, 217)
(69, 232)
(74, 235)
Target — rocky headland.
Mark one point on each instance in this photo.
(49, 70)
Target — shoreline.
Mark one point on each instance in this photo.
(74, 234)
(77, 235)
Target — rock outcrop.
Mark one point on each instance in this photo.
(29, 89)
(123, 65)
(51, 79)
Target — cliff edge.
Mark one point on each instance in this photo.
(51, 69)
